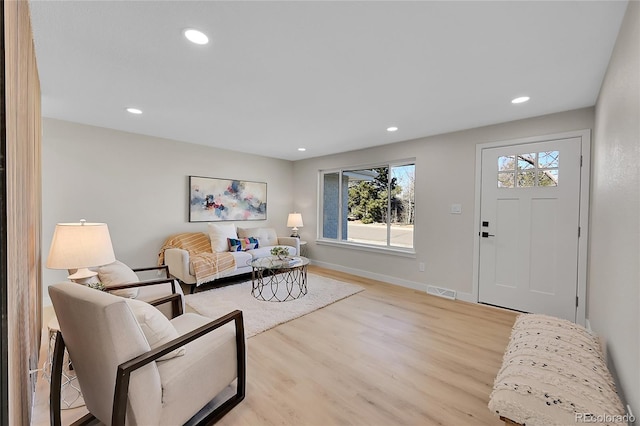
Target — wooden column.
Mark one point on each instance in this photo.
(21, 215)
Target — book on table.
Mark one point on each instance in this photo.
(287, 262)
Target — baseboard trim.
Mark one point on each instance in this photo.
(367, 274)
(465, 297)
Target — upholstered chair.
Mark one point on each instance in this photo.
(136, 367)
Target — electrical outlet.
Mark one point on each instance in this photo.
(421, 266)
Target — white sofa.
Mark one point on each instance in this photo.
(177, 259)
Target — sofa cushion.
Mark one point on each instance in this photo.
(242, 244)
(247, 232)
(265, 236)
(117, 273)
(266, 251)
(243, 258)
(155, 326)
(219, 233)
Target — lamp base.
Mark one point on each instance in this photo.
(82, 273)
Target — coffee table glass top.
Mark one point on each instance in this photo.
(273, 262)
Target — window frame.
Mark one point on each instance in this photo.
(338, 241)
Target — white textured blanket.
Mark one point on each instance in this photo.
(554, 373)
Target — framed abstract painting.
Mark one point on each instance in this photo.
(216, 200)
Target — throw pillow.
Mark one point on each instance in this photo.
(155, 326)
(219, 233)
(234, 244)
(249, 243)
(248, 232)
(117, 273)
(243, 244)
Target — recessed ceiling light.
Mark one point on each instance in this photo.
(195, 36)
(302, 149)
(392, 129)
(520, 100)
(134, 110)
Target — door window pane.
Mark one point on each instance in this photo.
(526, 178)
(529, 170)
(548, 159)
(526, 161)
(548, 178)
(506, 163)
(505, 180)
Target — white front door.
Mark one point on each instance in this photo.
(530, 215)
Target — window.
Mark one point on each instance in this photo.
(528, 170)
(372, 206)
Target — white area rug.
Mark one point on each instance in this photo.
(260, 316)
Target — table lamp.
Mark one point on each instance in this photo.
(294, 221)
(80, 246)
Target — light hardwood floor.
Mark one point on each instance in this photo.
(385, 356)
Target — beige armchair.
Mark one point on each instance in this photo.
(137, 367)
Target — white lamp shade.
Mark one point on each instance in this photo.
(80, 245)
(294, 220)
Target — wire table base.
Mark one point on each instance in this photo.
(277, 281)
(70, 392)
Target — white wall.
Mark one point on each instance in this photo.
(138, 185)
(445, 174)
(614, 273)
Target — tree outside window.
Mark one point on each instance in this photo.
(371, 206)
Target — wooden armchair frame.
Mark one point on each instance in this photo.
(206, 415)
(174, 298)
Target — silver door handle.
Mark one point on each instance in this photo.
(486, 235)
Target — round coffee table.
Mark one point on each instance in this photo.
(279, 280)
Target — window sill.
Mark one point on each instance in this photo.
(395, 251)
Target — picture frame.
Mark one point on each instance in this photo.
(218, 200)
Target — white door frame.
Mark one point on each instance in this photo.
(585, 173)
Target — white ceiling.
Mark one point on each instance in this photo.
(328, 76)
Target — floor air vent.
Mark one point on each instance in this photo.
(442, 292)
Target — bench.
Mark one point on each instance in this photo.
(554, 373)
